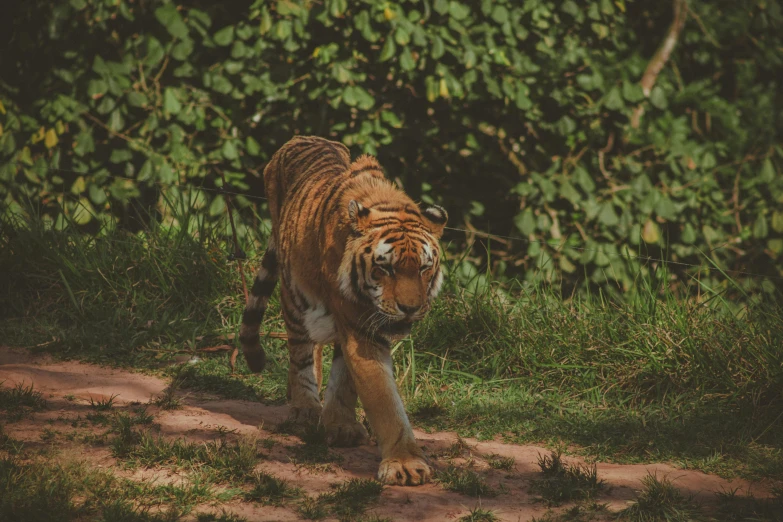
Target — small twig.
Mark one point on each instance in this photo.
(601, 152)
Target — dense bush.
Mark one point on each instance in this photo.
(516, 115)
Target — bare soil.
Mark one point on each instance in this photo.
(69, 386)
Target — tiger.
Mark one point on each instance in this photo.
(359, 262)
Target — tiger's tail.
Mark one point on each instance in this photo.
(263, 286)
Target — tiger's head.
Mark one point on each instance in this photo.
(392, 263)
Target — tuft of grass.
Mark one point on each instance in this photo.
(270, 490)
(478, 514)
(348, 501)
(457, 449)
(500, 462)
(311, 509)
(20, 401)
(561, 482)
(103, 404)
(660, 501)
(34, 492)
(735, 507)
(224, 516)
(222, 460)
(465, 481)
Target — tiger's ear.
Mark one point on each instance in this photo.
(436, 217)
(359, 216)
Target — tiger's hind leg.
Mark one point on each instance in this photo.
(303, 370)
(302, 384)
(339, 415)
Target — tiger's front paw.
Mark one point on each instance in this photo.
(347, 434)
(305, 415)
(404, 471)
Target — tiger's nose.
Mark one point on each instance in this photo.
(408, 310)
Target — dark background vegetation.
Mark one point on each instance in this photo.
(516, 116)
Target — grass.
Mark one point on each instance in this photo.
(735, 507)
(465, 481)
(502, 463)
(103, 404)
(349, 501)
(697, 381)
(660, 501)
(270, 490)
(478, 514)
(561, 482)
(20, 401)
(222, 460)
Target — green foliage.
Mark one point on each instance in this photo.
(514, 115)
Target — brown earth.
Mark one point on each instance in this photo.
(204, 418)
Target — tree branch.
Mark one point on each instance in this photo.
(661, 56)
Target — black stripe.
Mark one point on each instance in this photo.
(338, 352)
(263, 287)
(366, 169)
(249, 338)
(307, 361)
(269, 262)
(299, 340)
(251, 316)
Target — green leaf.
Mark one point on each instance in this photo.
(688, 234)
(607, 215)
(406, 60)
(120, 156)
(137, 99)
(658, 98)
(500, 14)
(182, 50)
(252, 147)
(441, 6)
(437, 48)
(97, 194)
(230, 150)
(775, 245)
(566, 126)
(82, 212)
(650, 232)
(458, 11)
(401, 36)
(225, 36)
(388, 50)
(760, 227)
(767, 174)
(708, 161)
(170, 102)
(614, 100)
(525, 222)
(97, 88)
(171, 20)
(632, 92)
(338, 7)
(777, 221)
(665, 208)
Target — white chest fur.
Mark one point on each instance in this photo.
(320, 325)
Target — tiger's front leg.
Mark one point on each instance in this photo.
(403, 462)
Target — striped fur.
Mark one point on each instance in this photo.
(359, 263)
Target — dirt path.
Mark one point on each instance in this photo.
(203, 418)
